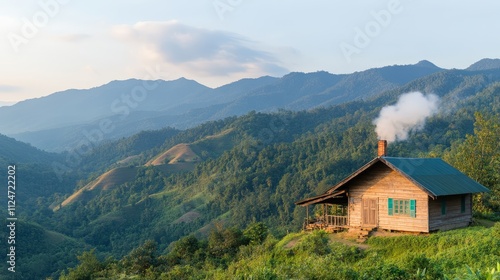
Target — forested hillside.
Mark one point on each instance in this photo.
(248, 169)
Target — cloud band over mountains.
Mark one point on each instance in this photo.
(200, 50)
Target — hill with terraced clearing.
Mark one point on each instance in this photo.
(105, 182)
(179, 158)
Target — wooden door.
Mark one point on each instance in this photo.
(370, 211)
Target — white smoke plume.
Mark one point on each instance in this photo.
(409, 114)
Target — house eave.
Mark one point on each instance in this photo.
(319, 198)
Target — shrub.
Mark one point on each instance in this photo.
(423, 267)
(384, 272)
(315, 243)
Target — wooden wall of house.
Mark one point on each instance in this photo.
(453, 217)
(381, 182)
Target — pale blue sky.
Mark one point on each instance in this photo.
(82, 44)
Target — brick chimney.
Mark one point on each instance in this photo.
(382, 147)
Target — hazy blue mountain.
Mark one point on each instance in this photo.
(369, 83)
(104, 112)
(63, 120)
(73, 107)
(485, 64)
(15, 152)
(300, 91)
(236, 89)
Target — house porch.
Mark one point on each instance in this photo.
(333, 215)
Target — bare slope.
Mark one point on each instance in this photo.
(106, 181)
(212, 145)
(176, 154)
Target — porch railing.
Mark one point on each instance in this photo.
(323, 222)
(338, 221)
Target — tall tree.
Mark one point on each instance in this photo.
(478, 156)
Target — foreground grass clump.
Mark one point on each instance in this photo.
(471, 253)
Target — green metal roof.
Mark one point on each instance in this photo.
(434, 175)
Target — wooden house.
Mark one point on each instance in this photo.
(402, 194)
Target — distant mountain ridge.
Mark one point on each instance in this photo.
(64, 120)
(15, 152)
(485, 64)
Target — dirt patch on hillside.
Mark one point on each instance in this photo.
(292, 243)
(106, 181)
(176, 154)
(347, 239)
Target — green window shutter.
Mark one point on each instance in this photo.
(413, 203)
(390, 206)
(443, 207)
(462, 204)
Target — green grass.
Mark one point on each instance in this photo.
(471, 253)
(444, 254)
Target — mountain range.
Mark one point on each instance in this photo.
(121, 108)
(61, 120)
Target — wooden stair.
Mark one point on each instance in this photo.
(333, 229)
(362, 233)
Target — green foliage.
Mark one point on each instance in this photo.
(39, 252)
(182, 272)
(142, 258)
(489, 274)
(256, 233)
(89, 267)
(478, 156)
(223, 244)
(188, 250)
(315, 243)
(422, 267)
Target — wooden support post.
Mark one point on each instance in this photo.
(348, 211)
(324, 213)
(307, 216)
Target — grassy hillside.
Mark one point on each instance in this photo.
(471, 253)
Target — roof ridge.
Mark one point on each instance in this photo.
(412, 157)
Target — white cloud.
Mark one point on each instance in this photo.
(200, 51)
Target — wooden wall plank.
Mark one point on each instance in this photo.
(453, 218)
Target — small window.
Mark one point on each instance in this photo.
(462, 204)
(401, 207)
(443, 207)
